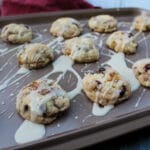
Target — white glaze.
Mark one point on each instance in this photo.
(124, 24)
(90, 35)
(11, 114)
(146, 46)
(23, 70)
(3, 50)
(86, 66)
(142, 39)
(55, 41)
(118, 63)
(140, 98)
(29, 131)
(37, 101)
(45, 30)
(8, 74)
(11, 94)
(8, 81)
(2, 112)
(101, 111)
(38, 37)
(64, 64)
(6, 62)
(7, 51)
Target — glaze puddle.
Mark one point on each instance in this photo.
(101, 111)
(29, 131)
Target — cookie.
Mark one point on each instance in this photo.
(34, 56)
(16, 33)
(141, 69)
(142, 23)
(65, 27)
(106, 87)
(103, 23)
(121, 41)
(81, 49)
(42, 101)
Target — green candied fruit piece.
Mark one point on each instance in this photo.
(50, 107)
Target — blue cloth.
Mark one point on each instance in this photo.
(121, 3)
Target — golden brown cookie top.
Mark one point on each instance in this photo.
(106, 86)
(81, 49)
(41, 100)
(16, 33)
(35, 55)
(66, 27)
(103, 23)
(142, 23)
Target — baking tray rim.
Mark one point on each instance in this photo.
(57, 13)
(86, 130)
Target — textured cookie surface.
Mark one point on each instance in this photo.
(81, 49)
(41, 101)
(103, 23)
(16, 33)
(141, 70)
(120, 41)
(65, 27)
(106, 87)
(142, 23)
(34, 56)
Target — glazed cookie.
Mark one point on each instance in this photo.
(81, 49)
(142, 23)
(120, 41)
(65, 27)
(106, 87)
(34, 56)
(141, 70)
(103, 23)
(16, 33)
(41, 101)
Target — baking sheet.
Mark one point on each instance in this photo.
(79, 120)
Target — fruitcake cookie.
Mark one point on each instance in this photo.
(120, 41)
(81, 49)
(142, 23)
(34, 56)
(106, 87)
(41, 101)
(141, 69)
(103, 23)
(16, 33)
(66, 27)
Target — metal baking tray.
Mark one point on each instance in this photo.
(78, 127)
